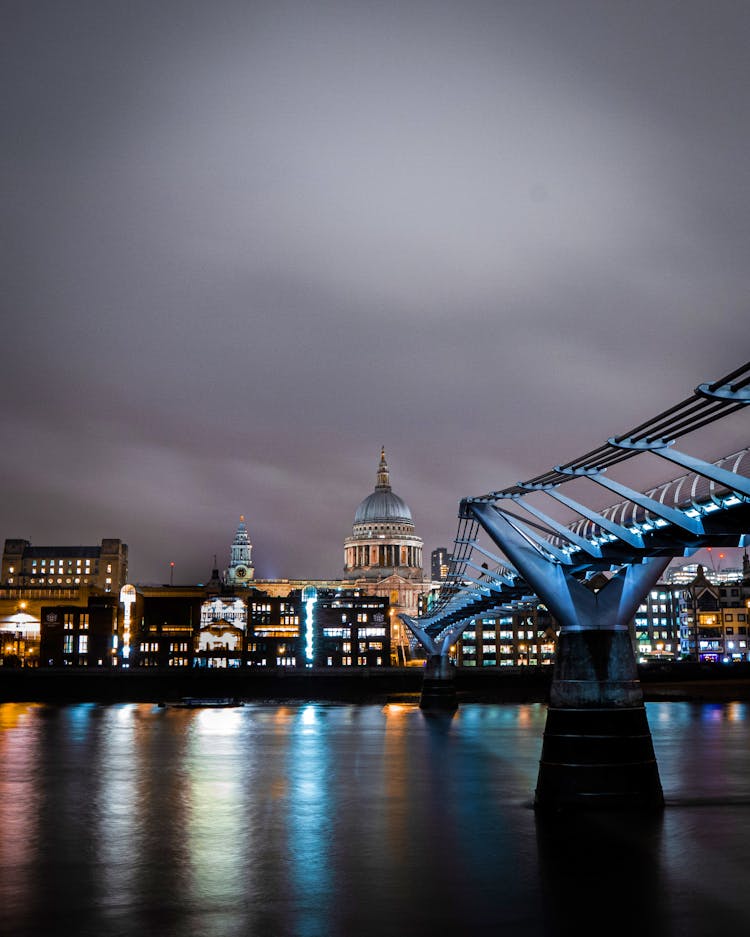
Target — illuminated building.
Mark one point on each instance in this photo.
(523, 638)
(439, 563)
(221, 635)
(383, 540)
(165, 621)
(104, 567)
(241, 569)
(78, 636)
(37, 577)
(715, 619)
(657, 624)
(684, 575)
(383, 557)
(319, 628)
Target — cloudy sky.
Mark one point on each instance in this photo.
(246, 244)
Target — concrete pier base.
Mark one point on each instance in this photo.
(597, 750)
(439, 685)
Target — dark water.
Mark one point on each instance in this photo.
(323, 819)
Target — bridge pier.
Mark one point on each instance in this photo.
(597, 749)
(439, 685)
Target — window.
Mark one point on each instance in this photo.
(83, 644)
(69, 621)
(68, 644)
(84, 621)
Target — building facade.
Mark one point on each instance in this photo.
(36, 578)
(439, 564)
(319, 628)
(241, 569)
(525, 638)
(383, 557)
(80, 636)
(715, 616)
(103, 567)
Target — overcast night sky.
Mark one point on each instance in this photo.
(246, 244)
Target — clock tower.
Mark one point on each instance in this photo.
(241, 569)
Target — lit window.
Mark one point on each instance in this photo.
(83, 643)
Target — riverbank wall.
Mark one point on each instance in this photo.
(677, 681)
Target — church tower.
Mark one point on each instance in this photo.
(241, 569)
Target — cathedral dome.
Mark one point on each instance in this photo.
(383, 506)
(383, 541)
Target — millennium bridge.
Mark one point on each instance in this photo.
(592, 575)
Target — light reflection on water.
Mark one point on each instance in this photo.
(324, 819)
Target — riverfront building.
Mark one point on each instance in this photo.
(104, 567)
(524, 638)
(715, 619)
(307, 627)
(67, 577)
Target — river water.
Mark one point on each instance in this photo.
(321, 820)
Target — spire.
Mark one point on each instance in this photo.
(384, 478)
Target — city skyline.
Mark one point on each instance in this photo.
(251, 244)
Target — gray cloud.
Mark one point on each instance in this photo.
(248, 244)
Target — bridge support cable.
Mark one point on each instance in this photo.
(597, 743)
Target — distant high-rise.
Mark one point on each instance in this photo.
(439, 561)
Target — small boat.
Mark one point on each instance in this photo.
(198, 702)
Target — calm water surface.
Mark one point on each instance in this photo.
(322, 820)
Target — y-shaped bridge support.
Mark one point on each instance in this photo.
(439, 681)
(597, 747)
